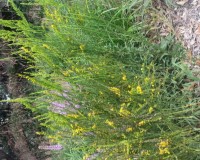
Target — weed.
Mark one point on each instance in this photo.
(103, 88)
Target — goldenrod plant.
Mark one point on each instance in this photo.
(104, 91)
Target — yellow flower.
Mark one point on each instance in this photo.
(68, 72)
(110, 123)
(77, 130)
(139, 90)
(90, 114)
(145, 153)
(24, 49)
(129, 129)
(163, 151)
(124, 77)
(123, 105)
(141, 123)
(163, 147)
(164, 143)
(115, 90)
(131, 91)
(73, 115)
(100, 92)
(45, 46)
(54, 27)
(82, 47)
(124, 112)
(40, 133)
(85, 157)
(151, 110)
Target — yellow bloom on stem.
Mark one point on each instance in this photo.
(141, 123)
(115, 90)
(145, 153)
(73, 115)
(45, 46)
(77, 130)
(110, 123)
(124, 78)
(150, 110)
(91, 114)
(67, 73)
(131, 91)
(129, 129)
(163, 151)
(163, 147)
(124, 112)
(164, 143)
(82, 47)
(85, 157)
(100, 92)
(24, 49)
(139, 90)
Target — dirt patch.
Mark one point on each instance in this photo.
(19, 130)
(186, 22)
(185, 18)
(21, 147)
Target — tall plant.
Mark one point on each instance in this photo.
(105, 91)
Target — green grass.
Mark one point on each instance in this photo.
(126, 94)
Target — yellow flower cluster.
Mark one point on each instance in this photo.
(129, 129)
(67, 73)
(91, 114)
(131, 90)
(123, 111)
(54, 138)
(163, 147)
(141, 123)
(46, 46)
(54, 15)
(82, 47)
(150, 110)
(73, 115)
(115, 90)
(110, 123)
(25, 49)
(139, 90)
(76, 129)
(145, 153)
(94, 126)
(124, 77)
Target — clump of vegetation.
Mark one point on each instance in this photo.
(104, 90)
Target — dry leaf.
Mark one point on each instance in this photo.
(182, 2)
(198, 30)
(189, 55)
(198, 62)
